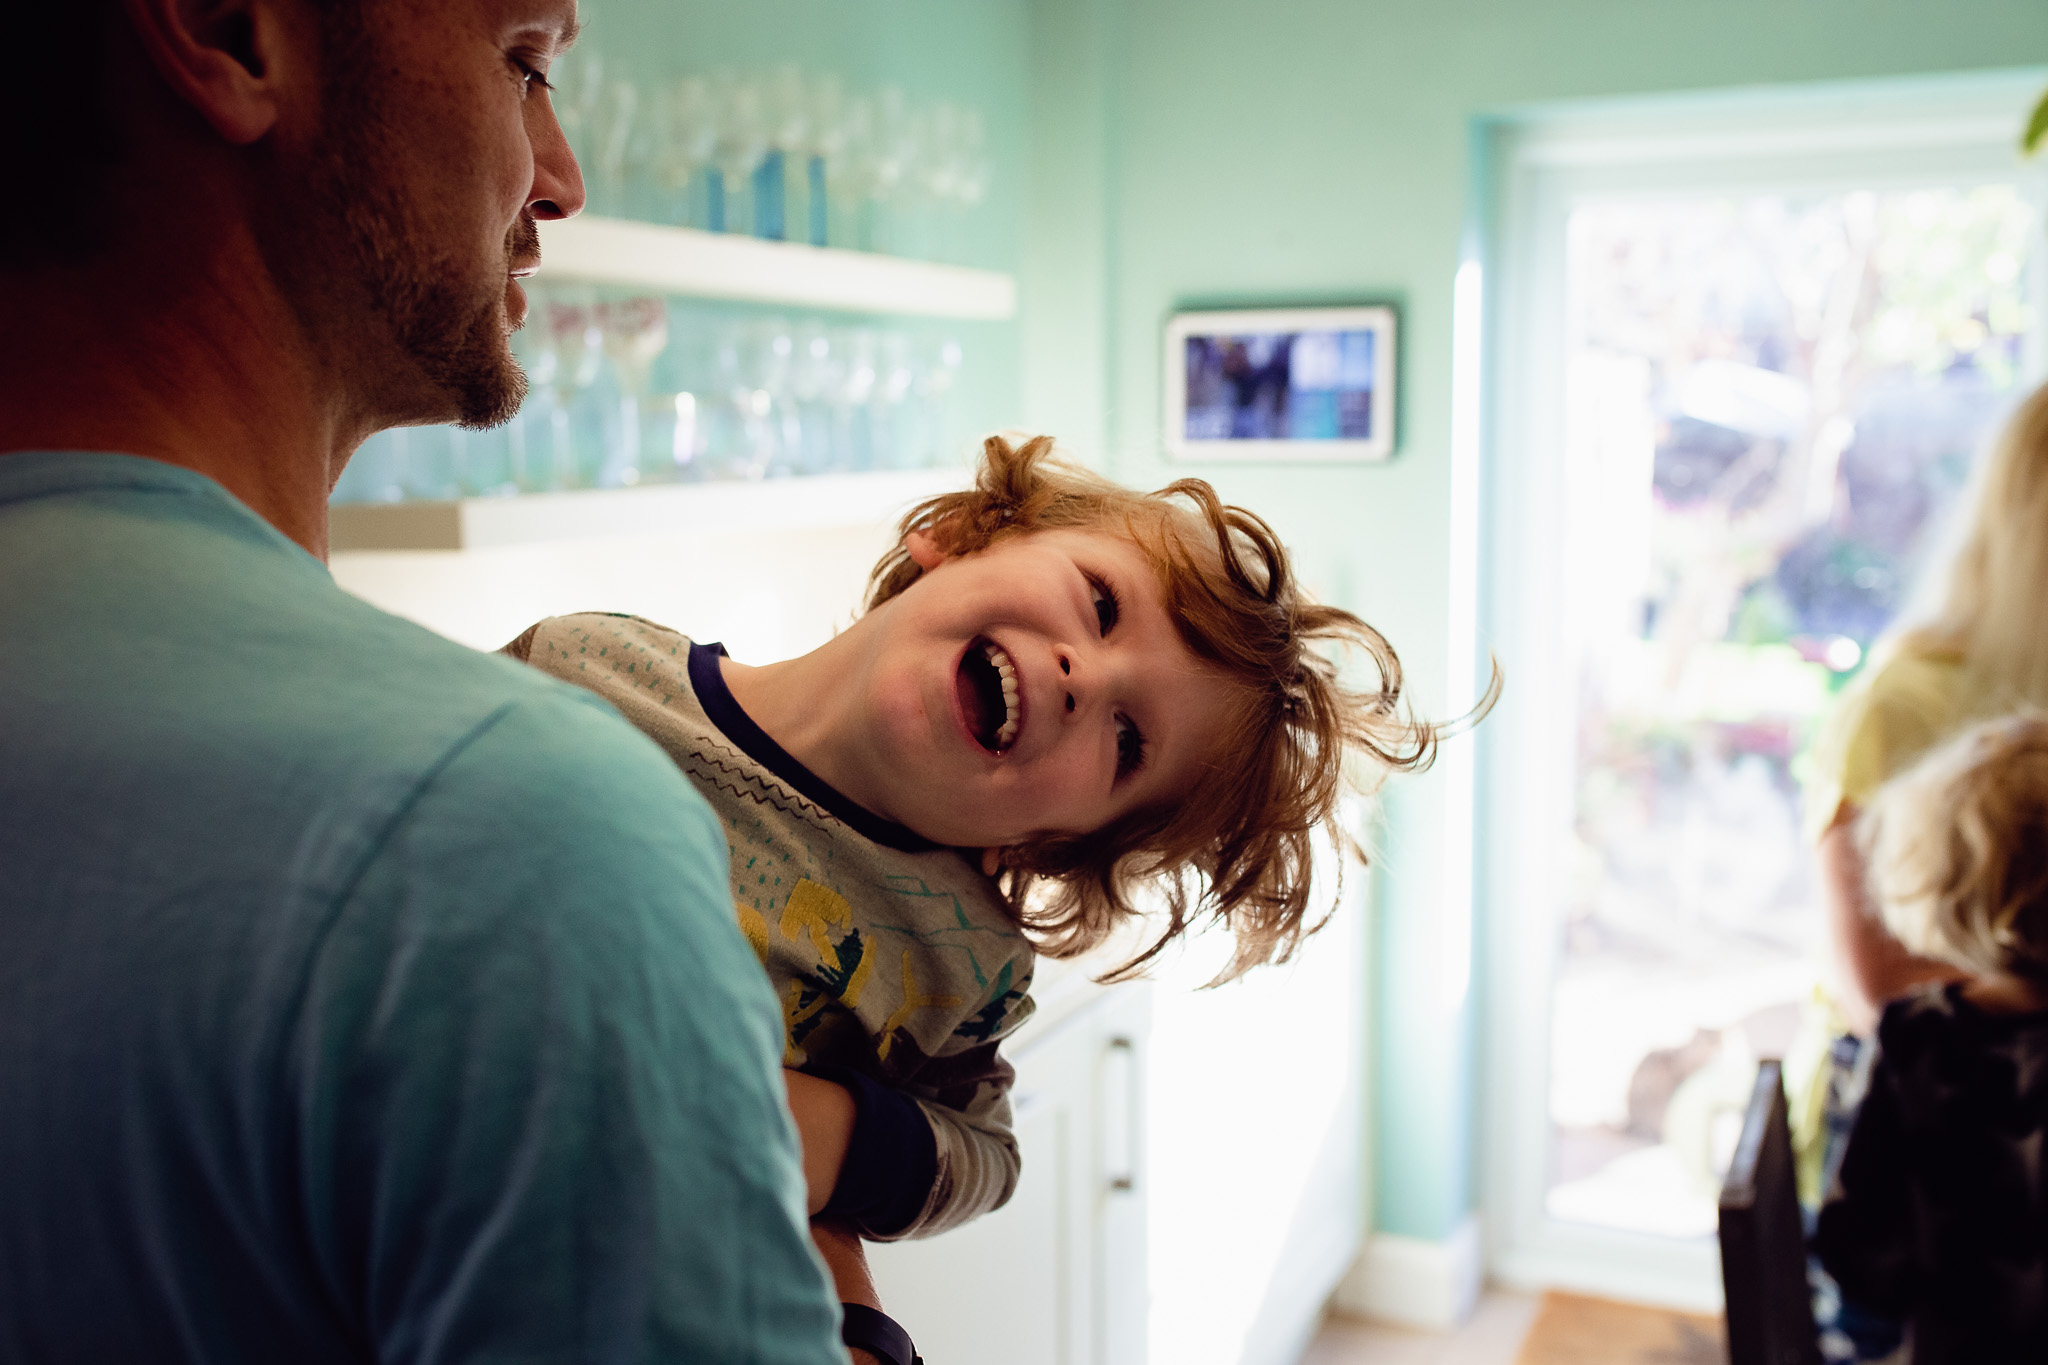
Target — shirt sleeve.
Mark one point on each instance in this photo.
(892, 1157)
(537, 1073)
(1879, 727)
(978, 1162)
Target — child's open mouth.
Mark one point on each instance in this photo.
(987, 684)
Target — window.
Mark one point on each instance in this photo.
(1749, 360)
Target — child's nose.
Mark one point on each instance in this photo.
(1066, 662)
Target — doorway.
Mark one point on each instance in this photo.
(1747, 354)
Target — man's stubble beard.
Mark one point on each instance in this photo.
(418, 332)
(445, 322)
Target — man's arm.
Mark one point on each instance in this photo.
(538, 1076)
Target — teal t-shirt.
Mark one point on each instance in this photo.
(362, 997)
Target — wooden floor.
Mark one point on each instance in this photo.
(1516, 1329)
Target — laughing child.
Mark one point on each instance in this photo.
(1061, 692)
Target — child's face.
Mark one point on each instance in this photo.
(1112, 711)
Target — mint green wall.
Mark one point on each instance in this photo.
(1311, 150)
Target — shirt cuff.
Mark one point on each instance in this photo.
(892, 1158)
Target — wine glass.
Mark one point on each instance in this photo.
(856, 397)
(894, 152)
(814, 378)
(741, 142)
(780, 208)
(577, 340)
(688, 148)
(828, 147)
(612, 136)
(634, 333)
(895, 439)
(850, 179)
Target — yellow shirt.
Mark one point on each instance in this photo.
(1887, 719)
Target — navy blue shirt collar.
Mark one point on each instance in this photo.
(708, 681)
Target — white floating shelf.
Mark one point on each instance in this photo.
(721, 265)
(793, 504)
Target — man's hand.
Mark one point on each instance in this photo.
(840, 1245)
(824, 1115)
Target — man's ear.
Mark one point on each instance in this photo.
(924, 551)
(225, 58)
(991, 861)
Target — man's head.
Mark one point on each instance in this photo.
(386, 160)
(1245, 680)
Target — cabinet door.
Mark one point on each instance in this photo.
(1056, 1276)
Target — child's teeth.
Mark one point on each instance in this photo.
(1007, 671)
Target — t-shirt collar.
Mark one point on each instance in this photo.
(707, 679)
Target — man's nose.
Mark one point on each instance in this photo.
(557, 190)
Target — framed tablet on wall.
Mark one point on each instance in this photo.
(1312, 384)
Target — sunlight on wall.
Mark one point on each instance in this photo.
(1253, 1084)
(766, 598)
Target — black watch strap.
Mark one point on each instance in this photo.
(875, 1331)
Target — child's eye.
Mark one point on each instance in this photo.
(1107, 606)
(1130, 747)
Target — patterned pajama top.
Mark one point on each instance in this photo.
(899, 967)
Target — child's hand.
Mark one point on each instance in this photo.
(824, 1115)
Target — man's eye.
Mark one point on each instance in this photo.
(1107, 607)
(531, 75)
(1130, 747)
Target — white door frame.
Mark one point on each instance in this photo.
(1537, 169)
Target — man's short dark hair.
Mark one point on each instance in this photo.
(56, 99)
(59, 98)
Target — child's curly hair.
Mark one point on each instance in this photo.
(1247, 829)
(1958, 850)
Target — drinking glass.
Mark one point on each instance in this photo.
(688, 149)
(742, 141)
(828, 146)
(814, 378)
(781, 197)
(577, 340)
(850, 179)
(634, 333)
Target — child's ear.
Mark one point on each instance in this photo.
(924, 551)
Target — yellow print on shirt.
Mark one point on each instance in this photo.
(912, 1003)
(845, 963)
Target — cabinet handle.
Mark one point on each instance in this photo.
(1120, 1114)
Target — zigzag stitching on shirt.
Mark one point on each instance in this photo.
(727, 777)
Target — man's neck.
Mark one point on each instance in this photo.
(183, 353)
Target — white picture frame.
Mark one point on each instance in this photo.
(1346, 412)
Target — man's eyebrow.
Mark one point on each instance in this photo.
(570, 35)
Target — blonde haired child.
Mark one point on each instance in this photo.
(1939, 1216)
(1060, 693)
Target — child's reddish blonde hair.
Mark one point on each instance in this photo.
(1247, 830)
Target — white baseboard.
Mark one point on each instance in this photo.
(1414, 1282)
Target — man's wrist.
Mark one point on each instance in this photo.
(875, 1332)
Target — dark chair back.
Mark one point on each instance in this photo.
(1763, 1243)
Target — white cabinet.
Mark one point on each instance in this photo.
(1057, 1275)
